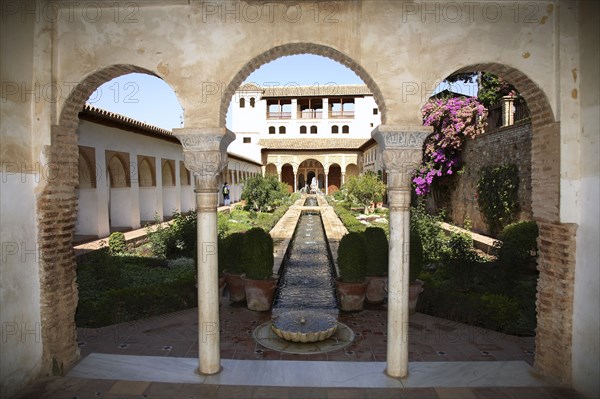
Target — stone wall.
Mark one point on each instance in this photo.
(507, 145)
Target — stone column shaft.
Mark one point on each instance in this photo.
(402, 149)
(205, 154)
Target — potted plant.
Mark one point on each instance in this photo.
(416, 263)
(230, 253)
(257, 264)
(351, 285)
(377, 264)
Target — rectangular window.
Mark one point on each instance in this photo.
(375, 111)
(247, 140)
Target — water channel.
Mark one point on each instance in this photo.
(307, 274)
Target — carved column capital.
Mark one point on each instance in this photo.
(205, 153)
(402, 151)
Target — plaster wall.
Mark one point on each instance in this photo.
(586, 320)
(20, 319)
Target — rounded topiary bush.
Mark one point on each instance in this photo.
(519, 245)
(257, 254)
(230, 253)
(416, 256)
(352, 258)
(377, 251)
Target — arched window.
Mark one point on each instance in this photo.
(271, 129)
(313, 129)
(252, 102)
(345, 129)
(302, 129)
(335, 129)
(281, 129)
(242, 102)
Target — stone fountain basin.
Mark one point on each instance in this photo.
(304, 326)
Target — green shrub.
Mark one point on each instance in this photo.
(498, 195)
(348, 219)
(460, 249)
(116, 243)
(518, 251)
(161, 239)
(352, 258)
(183, 234)
(230, 253)
(257, 254)
(498, 312)
(377, 251)
(432, 236)
(264, 193)
(117, 289)
(416, 256)
(339, 195)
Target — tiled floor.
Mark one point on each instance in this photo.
(431, 338)
(175, 335)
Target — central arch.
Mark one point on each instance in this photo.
(295, 49)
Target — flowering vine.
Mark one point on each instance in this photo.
(453, 119)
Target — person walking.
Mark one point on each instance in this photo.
(226, 200)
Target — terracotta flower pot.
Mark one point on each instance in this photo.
(351, 296)
(235, 286)
(414, 290)
(259, 293)
(376, 289)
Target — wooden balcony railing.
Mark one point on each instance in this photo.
(279, 115)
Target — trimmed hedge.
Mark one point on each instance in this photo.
(116, 289)
(377, 251)
(257, 254)
(352, 258)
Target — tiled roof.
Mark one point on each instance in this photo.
(90, 110)
(312, 144)
(327, 90)
(293, 90)
(250, 87)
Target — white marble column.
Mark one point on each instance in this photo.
(326, 183)
(205, 153)
(402, 149)
(295, 181)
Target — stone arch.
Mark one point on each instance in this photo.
(57, 215)
(287, 176)
(87, 171)
(271, 170)
(146, 173)
(168, 173)
(556, 260)
(351, 170)
(334, 178)
(118, 171)
(295, 49)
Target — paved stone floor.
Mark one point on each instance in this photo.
(175, 335)
(431, 338)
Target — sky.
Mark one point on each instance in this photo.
(150, 99)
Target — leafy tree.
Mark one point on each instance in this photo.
(498, 195)
(264, 193)
(366, 189)
(490, 88)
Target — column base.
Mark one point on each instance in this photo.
(216, 372)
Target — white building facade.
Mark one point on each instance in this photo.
(132, 174)
(306, 132)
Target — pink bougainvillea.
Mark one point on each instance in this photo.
(453, 119)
